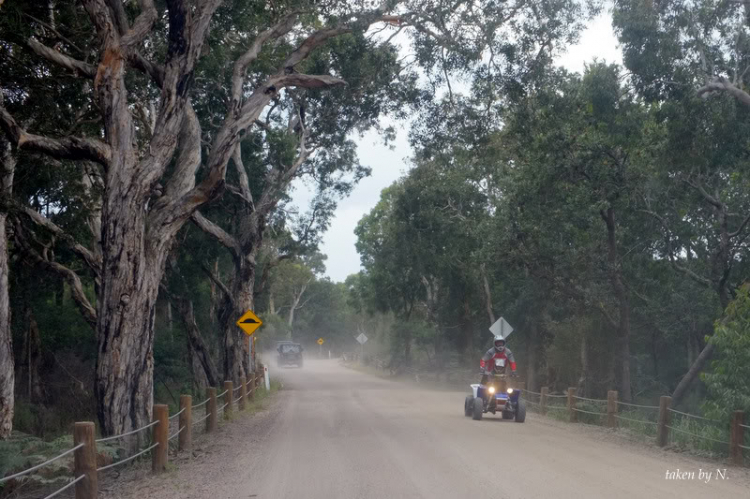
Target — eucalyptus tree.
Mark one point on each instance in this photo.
(142, 76)
(693, 59)
(575, 148)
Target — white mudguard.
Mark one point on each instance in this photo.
(474, 389)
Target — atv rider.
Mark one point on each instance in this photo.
(498, 351)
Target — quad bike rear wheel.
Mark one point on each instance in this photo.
(478, 409)
(468, 407)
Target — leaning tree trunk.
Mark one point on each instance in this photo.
(197, 347)
(7, 374)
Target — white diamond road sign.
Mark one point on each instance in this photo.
(501, 328)
(362, 338)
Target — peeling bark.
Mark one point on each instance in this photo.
(138, 227)
(7, 370)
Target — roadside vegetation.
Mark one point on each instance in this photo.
(148, 152)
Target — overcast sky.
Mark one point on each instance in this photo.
(598, 41)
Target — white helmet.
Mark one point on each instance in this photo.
(499, 343)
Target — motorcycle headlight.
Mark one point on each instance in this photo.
(492, 389)
(510, 390)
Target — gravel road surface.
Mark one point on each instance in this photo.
(337, 433)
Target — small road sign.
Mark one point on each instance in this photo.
(501, 328)
(362, 338)
(249, 322)
(321, 341)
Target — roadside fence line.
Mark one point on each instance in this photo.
(42, 465)
(86, 480)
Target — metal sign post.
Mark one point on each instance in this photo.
(362, 339)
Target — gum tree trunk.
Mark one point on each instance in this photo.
(7, 378)
(622, 373)
(236, 356)
(7, 373)
(126, 308)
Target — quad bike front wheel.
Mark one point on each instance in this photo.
(468, 407)
(478, 409)
(521, 412)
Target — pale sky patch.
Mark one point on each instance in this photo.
(598, 41)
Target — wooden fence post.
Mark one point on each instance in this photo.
(611, 408)
(572, 404)
(228, 396)
(737, 437)
(185, 439)
(85, 461)
(211, 408)
(243, 393)
(160, 453)
(543, 400)
(662, 432)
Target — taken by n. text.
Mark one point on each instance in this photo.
(704, 476)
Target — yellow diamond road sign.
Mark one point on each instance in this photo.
(249, 322)
(320, 341)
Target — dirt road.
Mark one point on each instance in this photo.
(336, 433)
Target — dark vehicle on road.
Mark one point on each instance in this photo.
(290, 354)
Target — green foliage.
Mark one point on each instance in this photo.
(728, 381)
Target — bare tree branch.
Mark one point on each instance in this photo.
(247, 195)
(60, 59)
(313, 41)
(63, 148)
(741, 227)
(92, 260)
(218, 283)
(217, 232)
(76, 287)
(241, 65)
(719, 84)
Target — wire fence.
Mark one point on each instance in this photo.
(41, 465)
(201, 419)
(590, 400)
(65, 487)
(177, 414)
(130, 458)
(628, 404)
(166, 439)
(202, 403)
(122, 435)
(669, 426)
(694, 416)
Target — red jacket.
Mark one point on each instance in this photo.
(488, 359)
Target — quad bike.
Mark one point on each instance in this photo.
(495, 396)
